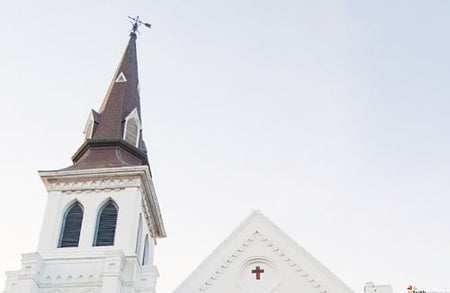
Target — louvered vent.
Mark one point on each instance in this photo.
(132, 131)
(145, 254)
(71, 228)
(89, 128)
(106, 225)
(138, 238)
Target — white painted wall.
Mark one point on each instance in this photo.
(258, 242)
(128, 200)
(87, 268)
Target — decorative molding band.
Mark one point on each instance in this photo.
(147, 216)
(96, 185)
(219, 271)
(107, 180)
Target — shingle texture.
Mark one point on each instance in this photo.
(106, 147)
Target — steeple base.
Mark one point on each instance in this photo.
(88, 272)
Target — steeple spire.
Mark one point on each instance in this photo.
(122, 96)
(113, 135)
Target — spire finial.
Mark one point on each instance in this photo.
(136, 22)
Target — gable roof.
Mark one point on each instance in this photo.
(255, 243)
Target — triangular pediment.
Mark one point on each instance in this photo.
(260, 258)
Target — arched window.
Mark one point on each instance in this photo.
(138, 238)
(106, 225)
(71, 226)
(145, 254)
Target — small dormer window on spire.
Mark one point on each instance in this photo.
(132, 128)
(121, 78)
(90, 125)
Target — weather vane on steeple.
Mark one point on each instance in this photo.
(136, 22)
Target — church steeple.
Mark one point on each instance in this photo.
(102, 218)
(113, 135)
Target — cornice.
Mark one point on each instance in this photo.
(110, 143)
(98, 185)
(110, 179)
(99, 173)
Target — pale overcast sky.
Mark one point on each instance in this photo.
(331, 117)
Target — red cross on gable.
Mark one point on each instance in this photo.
(258, 272)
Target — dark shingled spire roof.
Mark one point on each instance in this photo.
(106, 146)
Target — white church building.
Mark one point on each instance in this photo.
(102, 221)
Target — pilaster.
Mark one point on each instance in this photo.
(28, 275)
(112, 271)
